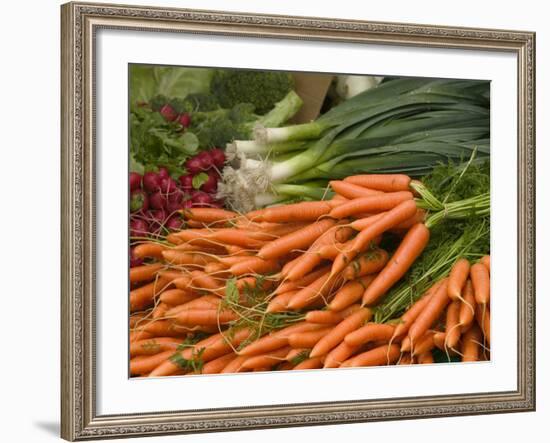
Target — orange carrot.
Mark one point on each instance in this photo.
(339, 354)
(391, 218)
(218, 364)
(144, 272)
(330, 317)
(408, 318)
(439, 340)
(145, 364)
(369, 332)
(207, 302)
(307, 339)
(279, 302)
(318, 290)
(304, 211)
(143, 296)
(205, 317)
(406, 359)
(208, 215)
(486, 261)
(266, 360)
(457, 278)
(176, 296)
(381, 182)
(218, 269)
(149, 249)
(160, 310)
(310, 363)
(375, 203)
(350, 190)
(254, 265)
(452, 325)
(409, 249)
(200, 281)
(480, 281)
(419, 217)
(235, 365)
(175, 257)
(434, 307)
(483, 319)
(306, 280)
(364, 222)
(300, 239)
(424, 344)
(139, 335)
(350, 293)
(471, 344)
(337, 334)
(296, 353)
(382, 355)
(467, 309)
(426, 358)
(330, 252)
(370, 262)
(154, 345)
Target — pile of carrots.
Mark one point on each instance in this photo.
(295, 286)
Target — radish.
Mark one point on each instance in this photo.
(187, 204)
(135, 181)
(193, 165)
(168, 185)
(205, 159)
(138, 201)
(211, 185)
(156, 220)
(138, 228)
(201, 199)
(151, 182)
(168, 113)
(163, 172)
(186, 182)
(174, 223)
(176, 196)
(218, 157)
(184, 119)
(157, 201)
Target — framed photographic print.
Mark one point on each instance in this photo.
(282, 221)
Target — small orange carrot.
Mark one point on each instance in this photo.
(217, 269)
(205, 317)
(419, 217)
(452, 325)
(300, 239)
(310, 363)
(424, 344)
(143, 296)
(409, 249)
(483, 318)
(176, 297)
(149, 249)
(254, 265)
(426, 358)
(369, 332)
(365, 222)
(375, 203)
(175, 257)
(154, 345)
(159, 310)
(330, 317)
(408, 318)
(305, 281)
(468, 306)
(382, 355)
(318, 290)
(457, 278)
(330, 252)
(266, 360)
(486, 261)
(337, 334)
(307, 339)
(207, 302)
(439, 340)
(471, 344)
(406, 359)
(139, 335)
(370, 262)
(350, 190)
(145, 364)
(339, 354)
(235, 365)
(279, 303)
(304, 211)
(350, 293)
(218, 364)
(208, 215)
(144, 272)
(480, 280)
(381, 182)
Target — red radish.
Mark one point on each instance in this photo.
(184, 119)
(211, 185)
(176, 196)
(174, 223)
(157, 201)
(186, 182)
(172, 207)
(156, 220)
(138, 201)
(193, 165)
(134, 261)
(187, 204)
(168, 185)
(168, 113)
(151, 182)
(200, 199)
(163, 172)
(206, 160)
(138, 228)
(135, 181)
(218, 157)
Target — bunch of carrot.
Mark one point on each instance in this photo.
(295, 286)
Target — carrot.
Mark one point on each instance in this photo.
(218, 269)
(483, 319)
(370, 262)
(374, 203)
(486, 261)
(176, 296)
(160, 310)
(480, 281)
(205, 317)
(471, 344)
(330, 317)
(382, 355)
(419, 217)
(452, 324)
(330, 252)
(350, 190)
(144, 272)
(266, 360)
(394, 216)
(154, 345)
(279, 303)
(434, 307)
(409, 249)
(457, 278)
(234, 250)
(339, 354)
(338, 197)
(310, 363)
(406, 359)
(369, 332)
(306, 280)
(208, 215)
(139, 335)
(439, 340)
(304, 211)
(145, 364)
(381, 182)
(235, 365)
(186, 258)
(364, 222)
(318, 290)
(218, 364)
(201, 280)
(297, 240)
(254, 265)
(426, 358)
(205, 302)
(307, 339)
(162, 328)
(337, 334)
(424, 344)
(207, 248)
(408, 318)
(149, 249)
(350, 293)
(143, 296)
(468, 306)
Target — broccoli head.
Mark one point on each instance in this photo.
(260, 88)
(195, 103)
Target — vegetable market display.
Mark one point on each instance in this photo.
(357, 239)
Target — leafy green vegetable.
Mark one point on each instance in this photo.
(199, 180)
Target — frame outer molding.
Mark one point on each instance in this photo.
(78, 24)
